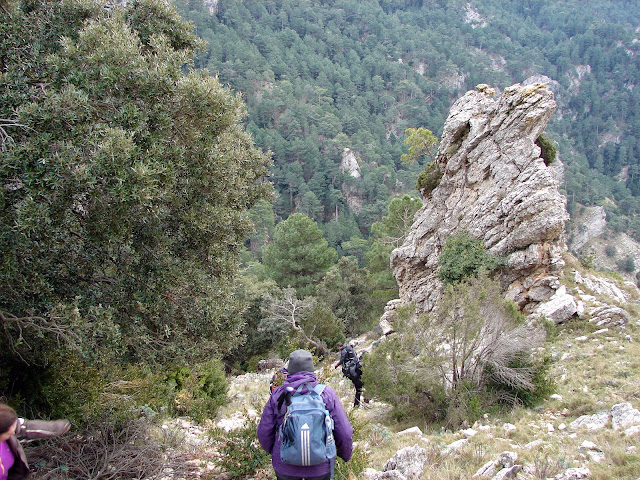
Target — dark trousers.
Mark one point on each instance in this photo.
(279, 476)
(358, 384)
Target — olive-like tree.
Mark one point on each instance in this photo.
(125, 178)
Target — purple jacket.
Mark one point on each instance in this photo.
(271, 420)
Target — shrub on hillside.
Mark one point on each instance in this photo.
(240, 454)
(429, 179)
(198, 391)
(463, 256)
(474, 351)
(627, 264)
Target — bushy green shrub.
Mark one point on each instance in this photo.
(240, 454)
(387, 379)
(627, 264)
(63, 388)
(543, 383)
(199, 391)
(429, 179)
(471, 354)
(462, 257)
(386, 374)
(320, 322)
(358, 462)
(548, 150)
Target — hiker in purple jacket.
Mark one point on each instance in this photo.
(301, 371)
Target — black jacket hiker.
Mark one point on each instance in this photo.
(352, 369)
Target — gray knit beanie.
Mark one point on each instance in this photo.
(300, 361)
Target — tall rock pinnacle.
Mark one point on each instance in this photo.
(497, 188)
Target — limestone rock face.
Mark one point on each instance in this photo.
(496, 187)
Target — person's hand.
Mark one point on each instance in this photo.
(336, 366)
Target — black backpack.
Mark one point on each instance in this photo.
(351, 367)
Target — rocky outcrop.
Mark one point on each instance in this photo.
(621, 417)
(349, 163)
(592, 225)
(349, 166)
(495, 187)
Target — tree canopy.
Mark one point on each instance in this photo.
(126, 179)
(299, 255)
(320, 76)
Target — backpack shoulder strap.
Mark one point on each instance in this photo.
(319, 388)
(285, 397)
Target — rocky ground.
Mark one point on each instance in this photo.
(588, 429)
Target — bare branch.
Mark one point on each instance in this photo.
(104, 452)
(5, 138)
(288, 310)
(63, 334)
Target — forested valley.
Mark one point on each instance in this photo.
(319, 76)
(188, 188)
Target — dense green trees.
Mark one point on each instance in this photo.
(321, 76)
(126, 178)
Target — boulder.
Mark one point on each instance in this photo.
(560, 307)
(573, 474)
(623, 415)
(409, 462)
(591, 422)
(609, 315)
(601, 286)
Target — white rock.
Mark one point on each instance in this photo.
(496, 187)
(588, 445)
(560, 308)
(409, 462)
(533, 444)
(601, 286)
(632, 431)
(508, 459)
(488, 470)
(623, 415)
(411, 431)
(510, 472)
(455, 446)
(509, 427)
(591, 422)
(573, 474)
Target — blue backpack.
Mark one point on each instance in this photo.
(306, 434)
